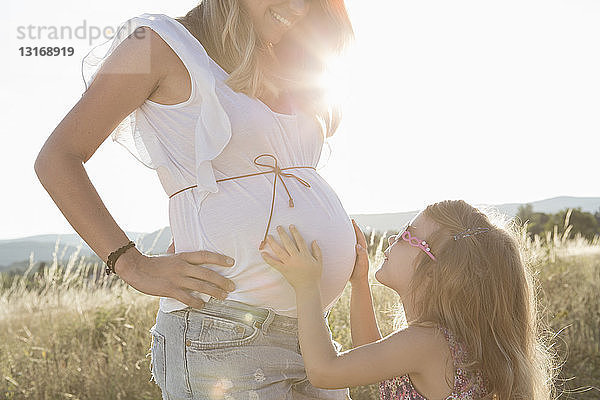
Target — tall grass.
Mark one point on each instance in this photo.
(71, 332)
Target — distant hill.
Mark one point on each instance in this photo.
(556, 204)
(14, 253)
(394, 221)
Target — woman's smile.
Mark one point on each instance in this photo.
(273, 18)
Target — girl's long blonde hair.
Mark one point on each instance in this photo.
(481, 289)
(226, 32)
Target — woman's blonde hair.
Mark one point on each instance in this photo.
(226, 32)
(480, 288)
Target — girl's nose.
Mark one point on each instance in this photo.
(299, 7)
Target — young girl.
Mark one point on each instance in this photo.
(468, 299)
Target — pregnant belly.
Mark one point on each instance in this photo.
(233, 222)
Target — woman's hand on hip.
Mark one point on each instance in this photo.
(300, 266)
(179, 275)
(361, 264)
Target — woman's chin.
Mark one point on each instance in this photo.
(273, 37)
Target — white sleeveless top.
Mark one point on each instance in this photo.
(215, 134)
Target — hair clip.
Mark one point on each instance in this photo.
(470, 232)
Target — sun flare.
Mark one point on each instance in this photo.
(337, 78)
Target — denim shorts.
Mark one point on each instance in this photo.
(230, 350)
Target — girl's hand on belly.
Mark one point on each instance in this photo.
(301, 267)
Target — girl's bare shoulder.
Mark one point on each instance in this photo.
(436, 370)
(431, 341)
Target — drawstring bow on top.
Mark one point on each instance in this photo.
(278, 173)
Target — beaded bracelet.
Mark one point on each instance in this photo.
(112, 257)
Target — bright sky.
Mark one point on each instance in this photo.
(491, 102)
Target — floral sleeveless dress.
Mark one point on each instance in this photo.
(401, 388)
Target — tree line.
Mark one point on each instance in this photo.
(585, 223)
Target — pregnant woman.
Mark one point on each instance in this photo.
(224, 104)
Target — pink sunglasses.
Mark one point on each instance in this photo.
(414, 241)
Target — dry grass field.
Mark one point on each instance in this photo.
(71, 332)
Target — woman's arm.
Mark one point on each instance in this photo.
(362, 316)
(124, 81)
(66, 181)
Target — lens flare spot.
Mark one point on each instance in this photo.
(220, 388)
